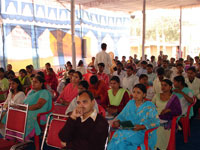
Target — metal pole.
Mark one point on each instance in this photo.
(73, 33)
(144, 26)
(180, 40)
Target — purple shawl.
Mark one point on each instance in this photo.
(175, 107)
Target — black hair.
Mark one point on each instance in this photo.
(41, 80)
(179, 64)
(48, 64)
(103, 46)
(31, 66)
(129, 67)
(28, 67)
(88, 93)
(84, 84)
(69, 63)
(79, 74)
(193, 69)
(119, 63)
(80, 62)
(19, 87)
(169, 82)
(93, 79)
(101, 64)
(166, 61)
(150, 65)
(40, 73)
(115, 78)
(11, 74)
(50, 69)
(160, 71)
(144, 62)
(153, 57)
(181, 80)
(71, 71)
(23, 71)
(181, 59)
(2, 70)
(142, 87)
(143, 76)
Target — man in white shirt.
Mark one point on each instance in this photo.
(153, 61)
(150, 74)
(143, 69)
(103, 57)
(157, 81)
(130, 80)
(143, 79)
(194, 84)
(120, 73)
(178, 71)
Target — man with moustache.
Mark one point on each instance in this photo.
(84, 129)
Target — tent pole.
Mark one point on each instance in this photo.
(180, 40)
(73, 33)
(144, 26)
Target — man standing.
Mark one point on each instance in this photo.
(85, 129)
(103, 57)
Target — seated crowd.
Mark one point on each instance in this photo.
(146, 93)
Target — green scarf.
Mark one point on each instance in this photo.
(22, 80)
(116, 100)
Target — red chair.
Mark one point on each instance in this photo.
(36, 137)
(185, 121)
(172, 138)
(102, 111)
(146, 139)
(52, 129)
(13, 131)
(59, 109)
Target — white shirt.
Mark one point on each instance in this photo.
(17, 99)
(130, 82)
(82, 70)
(121, 75)
(174, 74)
(93, 115)
(195, 86)
(157, 86)
(153, 64)
(150, 93)
(103, 57)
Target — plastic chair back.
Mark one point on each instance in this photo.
(172, 138)
(16, 115)
(52, 129)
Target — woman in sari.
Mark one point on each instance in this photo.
(39, 100)
(117, 97)
(168, 106)
(143, 116)
(71, 90)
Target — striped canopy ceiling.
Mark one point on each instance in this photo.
(134, 5)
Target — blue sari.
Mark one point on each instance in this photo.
(145, 115)
(31, 125)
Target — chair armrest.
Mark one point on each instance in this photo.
(146, 141)
(44, 113)
(190, 106)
